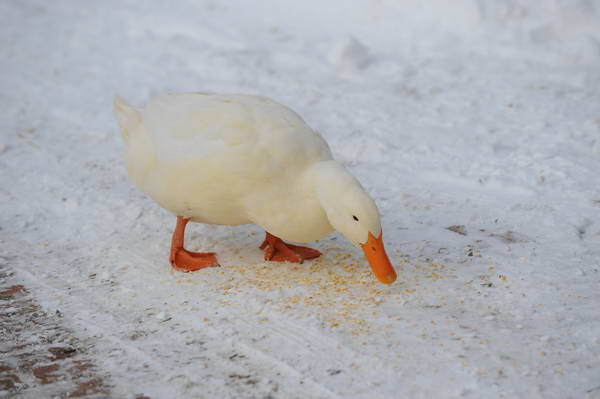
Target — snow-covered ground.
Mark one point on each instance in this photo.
(482, 116)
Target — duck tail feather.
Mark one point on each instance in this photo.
(127, 116)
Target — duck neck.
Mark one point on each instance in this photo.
(329, 179)
(300, 215)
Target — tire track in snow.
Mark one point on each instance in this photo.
(137, 353)
(40, 357)
(325, 356)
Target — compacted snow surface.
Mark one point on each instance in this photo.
(475, 126)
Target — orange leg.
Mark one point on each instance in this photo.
(277, 250)
(184, 260)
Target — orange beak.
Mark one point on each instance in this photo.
(378, 259)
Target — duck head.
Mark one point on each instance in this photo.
(353, 213)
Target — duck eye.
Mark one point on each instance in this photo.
(355, 218)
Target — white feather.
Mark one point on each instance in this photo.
(235, 159)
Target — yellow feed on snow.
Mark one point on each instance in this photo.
(337, 288)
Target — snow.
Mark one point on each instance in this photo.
(480, 114)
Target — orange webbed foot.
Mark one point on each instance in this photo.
(277, 250)
(184, 260)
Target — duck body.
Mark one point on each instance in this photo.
(229, 160)
(234, 159)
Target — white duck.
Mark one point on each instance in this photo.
(239, 159)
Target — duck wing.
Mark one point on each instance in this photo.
(238, 128)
